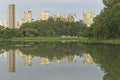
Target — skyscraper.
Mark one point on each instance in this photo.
(11, 16)
(44, 15)
(27, 18)
(71, 17)
(58, 17)
(88, 17)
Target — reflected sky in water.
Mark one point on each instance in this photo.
(15, 65)
(59, 61)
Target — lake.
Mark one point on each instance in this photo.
(59, 61)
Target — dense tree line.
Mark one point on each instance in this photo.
(107, 24)
(47, 28)
(52, 28)
(110, 3)
(9, 33)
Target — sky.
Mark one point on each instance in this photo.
(53, 6)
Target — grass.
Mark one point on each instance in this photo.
(57, 39)
(41, 39)
(113, 41)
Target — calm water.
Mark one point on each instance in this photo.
(59, 61)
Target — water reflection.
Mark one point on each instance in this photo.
(107, 57)
(83, 61)
(12, 55)
(87, 59)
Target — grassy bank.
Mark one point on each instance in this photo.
(43, 39)
(57, 39)
(113, 41)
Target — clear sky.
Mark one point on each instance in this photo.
(54, 6)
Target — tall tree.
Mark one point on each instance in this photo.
(110, 3)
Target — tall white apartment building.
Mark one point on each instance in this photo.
(44, 15)
(88, 17)
(27, 18)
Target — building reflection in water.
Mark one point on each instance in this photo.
(11, 60)
(70, 58)
(87, 59)
(12, 54)
(3, 53)
(44, 61)
(28, 60)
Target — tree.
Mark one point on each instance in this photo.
(52, 28)
(106, 25)
(110, 3)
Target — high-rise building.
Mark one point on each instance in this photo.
(64, 19)
(71, 17)
(27, 18)
(88, 17)
(1, 23)
(11, 16)
(20, 22)
(44, 15)
(58, 17)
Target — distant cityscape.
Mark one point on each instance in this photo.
(12, 56)
(11, 21)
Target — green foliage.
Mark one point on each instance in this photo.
(45, 49)
(52, 28)
(110, 3)
(107, 24)
(107, 57)
(88, 32)
(9, 33)
(48, 28)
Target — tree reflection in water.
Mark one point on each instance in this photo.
(106, 56)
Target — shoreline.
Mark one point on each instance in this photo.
(64, 39)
